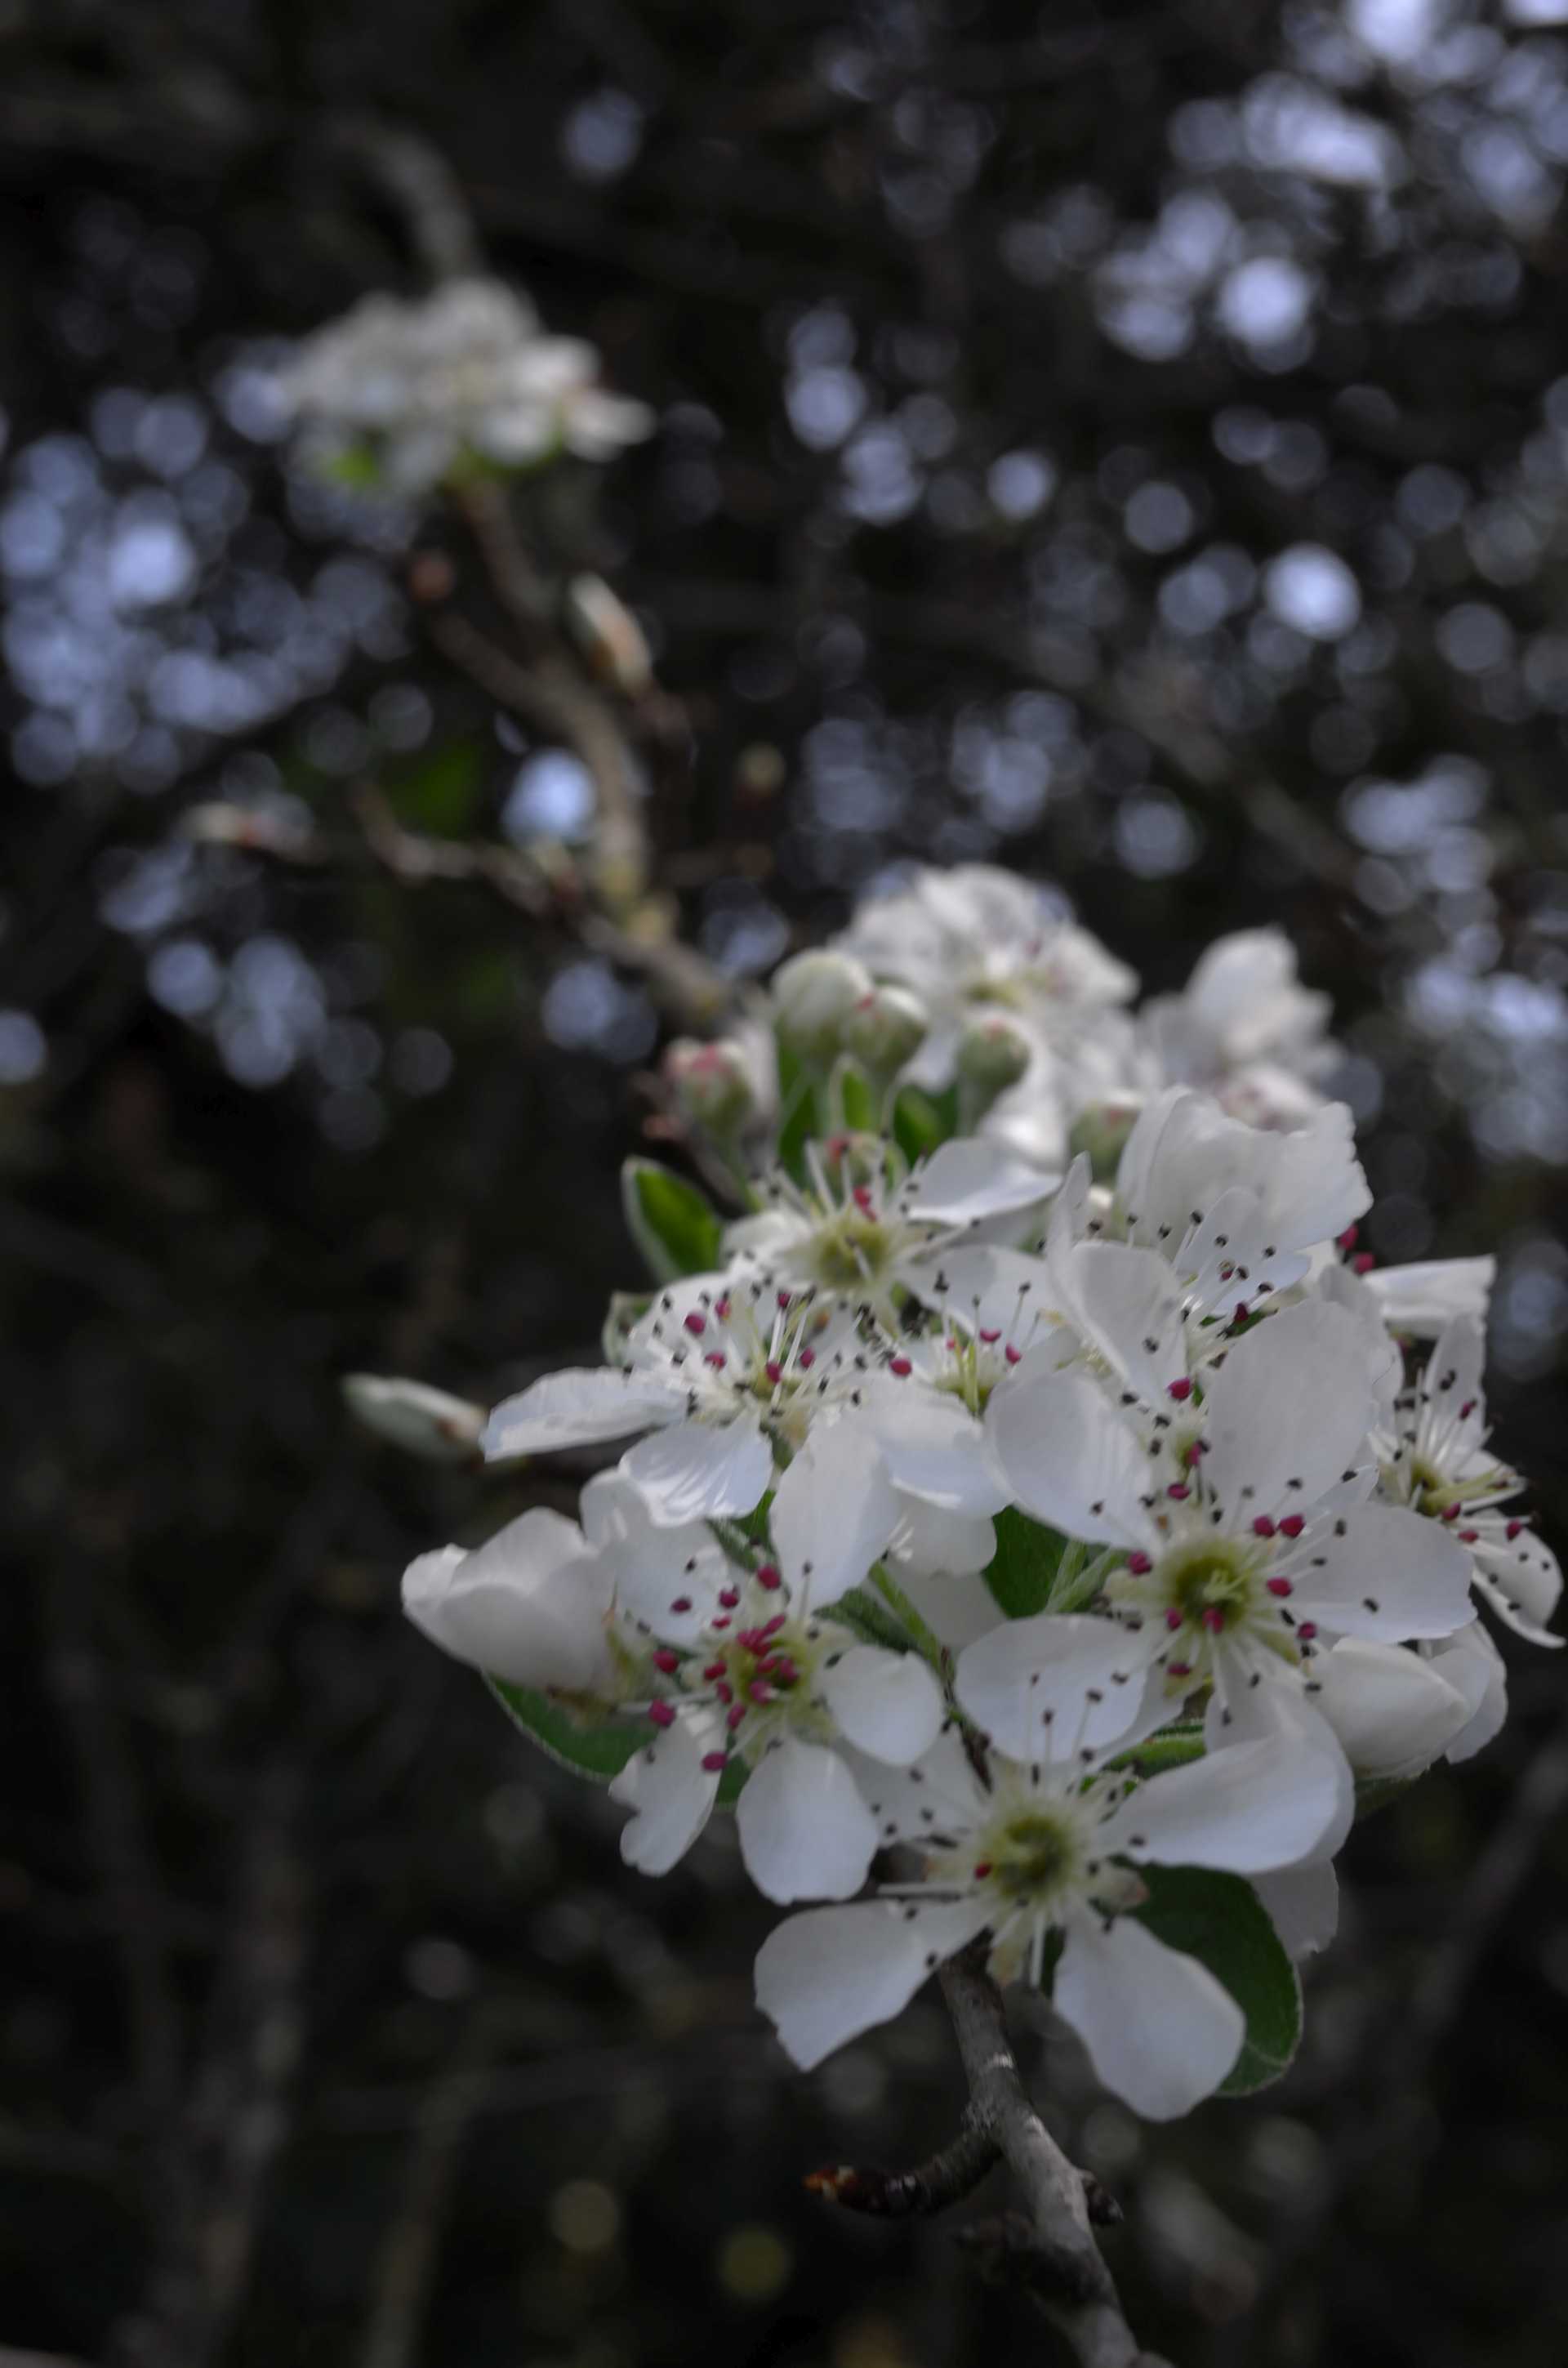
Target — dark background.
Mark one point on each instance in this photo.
(998, 354)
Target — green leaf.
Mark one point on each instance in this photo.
(872, 1620)
(1220, 1920)
(597, 1746)
(852, 1107)
(922, 1123)
(441, 792)
(670, 1221)
(798, 1114)
(1173, 1746)
(1022, 1572)
(355, 466)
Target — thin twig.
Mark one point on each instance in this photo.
(550, 686)
(1060, 2262)
(945, 2176)
(420, 182)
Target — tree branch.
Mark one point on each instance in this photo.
(954, 2171)
(1055, 2253)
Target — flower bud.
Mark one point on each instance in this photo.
(1102, 1130)
(710, 1085)
(992, 1052)
(885, 1029)
(423, 1421)
(813, 995)
(609, 635)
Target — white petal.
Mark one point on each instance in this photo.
(940, 1797)
(824, 1977)
(694, 1471)
(653, 1569)
(1421, 1298)
(527, 1606)
(1291, 1404)
(933, 1448)
(1245, 1810)
(931, 1541)
(956, 1606)
(1160, 2031)
(835, 1511)
(1386, 1572)
(1257, 1697)
(992, 1289)
(887, 1704)
(671, 1795)
(1393, 1712)
(1070, 1461)
(1522, 1581)
(1472, 1663)
(1451, 1422)
(579, 1408)
(1049, 1686)
(1314, 1187)
(805, 1831)
(970, 1178)
(1303, 1907)
(1126, 1304)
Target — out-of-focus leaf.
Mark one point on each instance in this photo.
(670, 1220)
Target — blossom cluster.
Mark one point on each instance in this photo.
(1031, 1516)
(411, 394)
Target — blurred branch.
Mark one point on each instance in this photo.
(111, 1794)
(235, 2117)
(687, 988)
(1477, 1915)
(411, 2251)
(1054, 2254)
(421, 184)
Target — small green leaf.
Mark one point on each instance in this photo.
(627, 1308)
(1022, 1572)
(354, 466)
(441, 792)
(1173, 1746)
(871, 1620)
(922, 1123)
(598, 1747)
(852, 1108)
(670, 1221)
(1220, 1920)
(798, 1112)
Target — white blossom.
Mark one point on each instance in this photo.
(1239, 1517)
(1435, 1460)
(1245, 1030)
(1045, 1850)
(467, 372)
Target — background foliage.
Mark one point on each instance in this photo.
(1130, 443)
